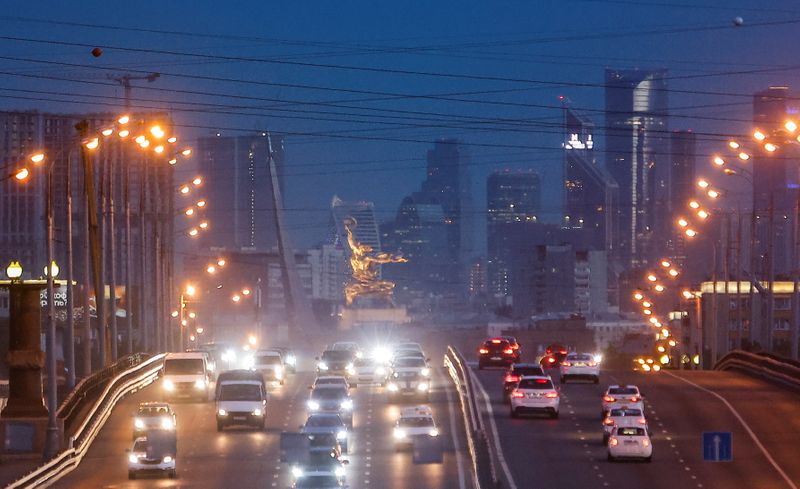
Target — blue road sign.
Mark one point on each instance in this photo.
(717, 446)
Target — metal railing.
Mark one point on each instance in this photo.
(122, 384)
(765, 365)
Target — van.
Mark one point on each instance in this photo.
(186, 375)
(241, 402)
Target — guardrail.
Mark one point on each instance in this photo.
(122, 384)
(483, 454)
(765, 365)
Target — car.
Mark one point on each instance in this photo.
(153, 416)
(408, 353)
(320, 464)
(330, 381)
(269, 363)
(368, 371)
(148, 455)
(289, 358)
(515, 372)
(332, 400)
(621, 396)
(242, 402)
(413, 422)
(224, 355)
(553, 356)
(324, 443)
(316, 481)
(630, 442)
(579, 365)
(408, 384)
(186, 375)
(497, 351)
(328, 423)
(535, 394)
(511, 341)
(350, 346)
(336, 362)
(623, 417)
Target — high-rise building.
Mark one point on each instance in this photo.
(590, 193)
(682, 187)
(636, 142)
(513, 204)
(238, 187)
(566, 279)
(366, 225)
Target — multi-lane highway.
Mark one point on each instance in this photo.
(244, 458)
(569, 452)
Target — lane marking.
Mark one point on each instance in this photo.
(454, 434)
(744, 424)
(500, 456)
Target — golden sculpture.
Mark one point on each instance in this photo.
(364, 265)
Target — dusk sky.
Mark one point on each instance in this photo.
(362, 89)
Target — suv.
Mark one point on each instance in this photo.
(535, 394)
(515, 372)
(497, 351)
(621, 396)
(580, 365)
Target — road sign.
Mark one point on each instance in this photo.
(717, 446)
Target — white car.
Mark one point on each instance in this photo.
(535, 394)
(580, 365)
(621, 396)
(623, 418)
(631, 442)
(410, 377)
(413, 422)
(142, 458)
(368, 371)
(269, 364)
(153, 416)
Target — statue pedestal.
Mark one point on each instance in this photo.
(372, 316)
(25, 437)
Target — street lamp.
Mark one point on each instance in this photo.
(14, 270)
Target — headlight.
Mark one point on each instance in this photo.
(322, 366)
(341, 435)
(349, 366)
(359, 354)
(291, 360)
(167, 424)
(433, 432)
(395, 375)
(222, 412)
(138, 424)
(229, 356)
(347, 404)
(426, 372)
(598, 358)
(381, 354)
(167, 459)
(297, 472)
(278, 371)
(399, 433)
(312, 405)
(380, 371)
(132, 458)
(257, 412)
(392, 387)
(422, 386)
(169, 385)
(200, 384)
(339, 471)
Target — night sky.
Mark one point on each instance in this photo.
(362, 88)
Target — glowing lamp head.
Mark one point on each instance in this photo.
(22, 174)
(702, 183)
(197, 181)
(771, 148)
(53, 268)
(713, 194)
(14, 270)
(92, 143)
(744, 156)
(683, 222)
(718, 161)
(659, 288)
(37, 158)
(124, 119)
(124, 133)
(733, 145)
(194, 232)
(790, 126)
(186, 152)
(107, 132)
(759, 136)
(185, 189)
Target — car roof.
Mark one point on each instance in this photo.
(240, 382)
(195, 354)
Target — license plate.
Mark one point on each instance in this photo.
(630, 442)
(239, 418)
(496, 358)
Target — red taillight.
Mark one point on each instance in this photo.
(511, 378)
(636, 399)
(566, 364)
(483, 351)
(613, 441)
(515, 346)
(608, 422)
(508, 351)
(551, 360)
(608, 398)
(551, 395)
(518, 394)
(642, 421)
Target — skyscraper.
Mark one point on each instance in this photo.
(681, 186)
(238, 188)
(636, 142)
(513, 203)
(590, 193)
(366, 230)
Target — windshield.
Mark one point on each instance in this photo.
(240, 392)
(140, 446)
(184, 366)
(337, 356)
(623, 391)
(580, 358)
(409, 362)
(626, 412)
(630, 431)
(328, 394)
(330, 381)
(152, 411)
(324, 421)
(535, 384)
(268, 360)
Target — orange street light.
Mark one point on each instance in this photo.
(638, 296)
(203, 225)
(659, 288)
(759, 136)
(124, 133)
(193, 232)
(713, 193)
(665, 263)
(744, 156)
(770, 147)
(186, 152)
(733, 144)
(673, 273)
(22, 174)
(790, 126)
(201, 203)
(37, 158)
(245, 291)
(236, 298)
(124, 119)
(652, 278)
(694, 204)
(221, 262)
(107, 132)
(718, 161)
(702, 214)
(211, 269)
(702, 183)
(92, 143)
(189, 211)
(691, 233)
(683, 222)
(197, 181)
(184, 190)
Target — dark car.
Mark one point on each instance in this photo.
(553, 356)
(497, 351)
(336, 362)
(516, 371)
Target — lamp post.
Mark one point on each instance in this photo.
(52, 439)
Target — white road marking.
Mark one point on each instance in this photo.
(744, 424)
(454, 434)
(500, 456)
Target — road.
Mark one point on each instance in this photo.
(243, 458)
(569, 452)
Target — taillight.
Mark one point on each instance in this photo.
(608, 398)
(508, 351)
(566, 364)
(608, 422)
(613, 441)
(642, 421)
(592, 364)
(551, 395)
(483, 351)
(511, 378)
(517, 394)
(636, 399)
(551, 360)
(646, 442)
(516, 347)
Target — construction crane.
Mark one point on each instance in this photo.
(125, 82)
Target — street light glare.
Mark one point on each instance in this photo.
(173, 139)
(744, 156)
(145, 144)
(673, 272)
(22, 174)
(733, 145)
(691, 233)
(652, 278)
(236, 298)
(665, 263)
(157, 132)
(718, 161)
(185, 189)
(759, 136)
(790, 126)
(245, 291)
(638, 296)
(702, 183)
(189, 211)
(124, 119)
(770, 147)
(211, 269)
(203, 224)
(107, 132)
(124, 133)
(694, 204)
(702, 214)
(193, 232)
(659, 288)
(197, 181)
(92, 143)
(713, 194)
(221, 262)
(159, 149)
(173, 161)
(139, 139)
(37, 158)
(201, 203)
(191, 290)
(186, 152)
(683, 222)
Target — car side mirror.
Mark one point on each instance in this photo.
(345, 462)
(316, 358)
